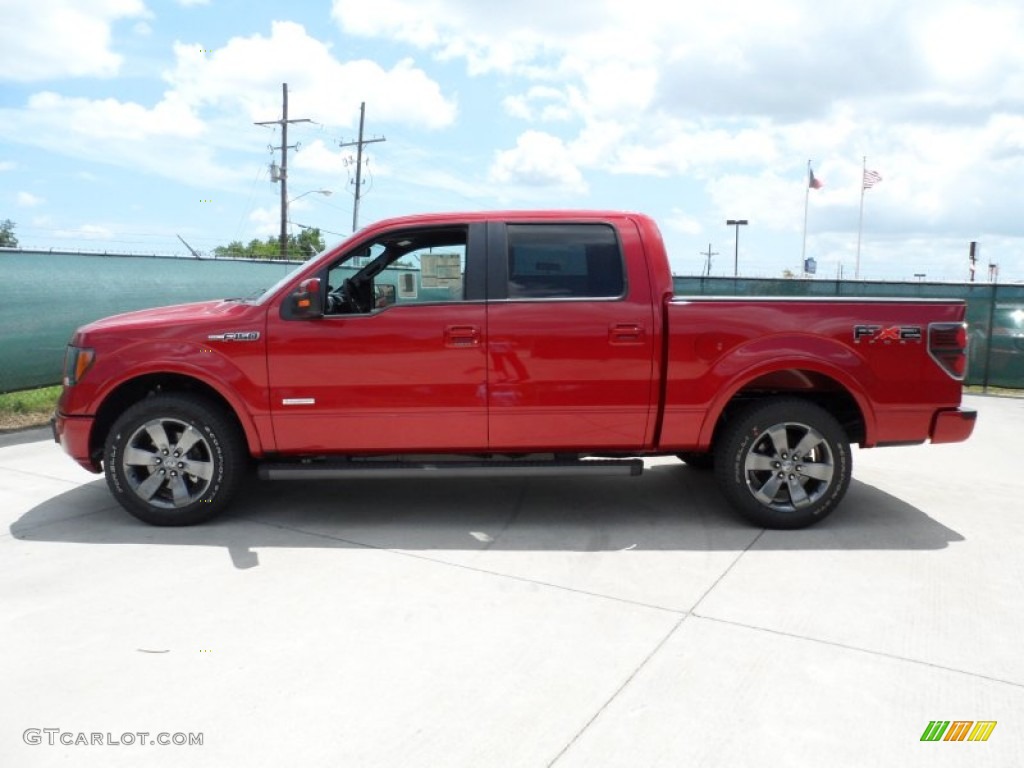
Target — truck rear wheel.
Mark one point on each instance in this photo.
(173, 460)
(783, 463)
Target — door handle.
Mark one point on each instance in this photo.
(626, 333)
(462, 336)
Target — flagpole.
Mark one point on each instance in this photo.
(860, 223)
(807, 197)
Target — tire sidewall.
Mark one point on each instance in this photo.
(747, 429)
(215, 431)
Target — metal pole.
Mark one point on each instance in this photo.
(359, 166)
(736, 255)
(807, 200)
(860, 221)
(988, 339)
(284, 171)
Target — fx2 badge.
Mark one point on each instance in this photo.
(894, 334)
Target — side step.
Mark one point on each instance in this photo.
(361, 469)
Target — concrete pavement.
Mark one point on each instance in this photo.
(607, 622)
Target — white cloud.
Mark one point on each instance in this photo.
(206, 94)
(46, 39)
(113, 119)
(542, 103)
(739, 93)
(320, 86)
(28, 200)
(7, 165)
(680, 221)
(265, 221)
(538, 160)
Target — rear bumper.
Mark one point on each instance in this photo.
(954, 425)
(72, 433)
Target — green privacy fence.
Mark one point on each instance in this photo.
(44, 296)
(995, 313)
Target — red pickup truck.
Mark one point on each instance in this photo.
(526, 343)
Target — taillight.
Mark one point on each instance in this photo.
(947, 344)
(77, 360)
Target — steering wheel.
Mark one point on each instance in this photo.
(351, 293)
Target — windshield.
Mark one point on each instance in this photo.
(291, 268)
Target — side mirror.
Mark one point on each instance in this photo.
(307, 301)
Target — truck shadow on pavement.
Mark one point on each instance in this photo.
(671, 507)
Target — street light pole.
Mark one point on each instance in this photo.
(736, 256)
(284, 208)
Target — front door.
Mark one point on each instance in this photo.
(398, 362)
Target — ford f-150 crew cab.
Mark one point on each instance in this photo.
(514, 342)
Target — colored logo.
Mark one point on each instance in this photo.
(899, 334)
(958, 730)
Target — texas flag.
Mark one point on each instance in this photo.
(813, 182)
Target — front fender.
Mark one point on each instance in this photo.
(240, 382)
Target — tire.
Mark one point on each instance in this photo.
(757, 472)
(703, 462)
(154, 484)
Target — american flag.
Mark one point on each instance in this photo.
(871, 178)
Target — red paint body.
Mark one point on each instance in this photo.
(640, 374)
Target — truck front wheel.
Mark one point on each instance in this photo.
(783, 463)
(173, 460)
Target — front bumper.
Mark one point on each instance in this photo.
(72, 433)
(953, 425)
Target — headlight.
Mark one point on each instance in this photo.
(77, 360)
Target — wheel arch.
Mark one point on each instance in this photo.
(828, 387)
(137, 388)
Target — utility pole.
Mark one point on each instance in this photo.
(707, 263)
(358, 144)
(973, 257)
(283, 172)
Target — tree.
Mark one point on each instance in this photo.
(7, 238)
(303, 246)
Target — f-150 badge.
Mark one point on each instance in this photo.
(877, 334)
(234, 336)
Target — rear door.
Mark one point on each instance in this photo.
(571, 336)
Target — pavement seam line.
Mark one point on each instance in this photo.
(471, 568)
(619, 690)
(46, 477)
(728, 570)
(856, 649)
(657, 648)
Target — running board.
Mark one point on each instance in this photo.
(336, 470)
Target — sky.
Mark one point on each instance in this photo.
(125, 124)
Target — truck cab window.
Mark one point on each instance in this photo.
(412, 267)
(564, 261)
